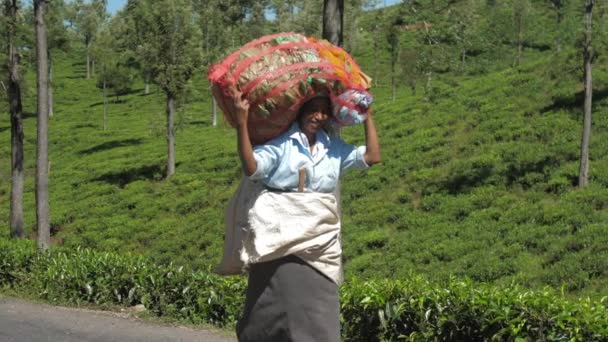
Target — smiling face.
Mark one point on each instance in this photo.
(314, 115)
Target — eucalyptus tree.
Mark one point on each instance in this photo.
(89, 17)
(285, 12)
(308, 17)
(222, 24)
(333, 21)
(42, 156)
(281, 14)
(172, 51)
(558, 6)
(393, 36)
(521, 19)
(13, 90)
(377, 33)
(256, 25)
(588, 57)
(463, 28)
(57, 39)
(114, 71)
(353, 12)
(427, 29)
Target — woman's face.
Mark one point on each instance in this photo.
(314, 114)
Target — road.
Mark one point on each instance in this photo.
(21, 321)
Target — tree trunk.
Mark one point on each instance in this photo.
(583, 177)
(279, 17)
(214, 111)
(105, 104)
(147, 84)
(50, 85)
(558, 39)
(93, 67)
(427, 87)
(393, 85)
(88, 63)
(16, 110)
(375, 56)
(170, 135)
(42, 161)
(207, 34)
(333, 19)
(520, 42)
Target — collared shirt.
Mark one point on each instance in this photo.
(280, 159)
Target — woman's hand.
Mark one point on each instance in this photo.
(240, 109)
(240, 106)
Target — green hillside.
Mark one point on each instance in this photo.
(478, 175)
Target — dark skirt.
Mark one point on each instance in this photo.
(288, 300)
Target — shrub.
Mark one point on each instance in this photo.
(388, 310)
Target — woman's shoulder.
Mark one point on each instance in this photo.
(278, 142)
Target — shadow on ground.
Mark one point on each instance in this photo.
(121, 179)
(575, 101)
(110, 145)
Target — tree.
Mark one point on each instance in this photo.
(333, 21)
(173, 52)
(114, 73)
(58, 39)
(352, 15)
(392, 37)
(426, 40)
(257, 23)
(463, 30)
(408, 59)
(121, 40)
(281, 12)
(42, 161)
(89, 17)
(588, 56)
(558, 6)
(376, 34)
(521, 9)
(116, 77)
(11, 9)
(308, 16)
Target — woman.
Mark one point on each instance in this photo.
(292, 293)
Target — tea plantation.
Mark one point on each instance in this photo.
(478, 184)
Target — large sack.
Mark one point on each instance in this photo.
(277, 74)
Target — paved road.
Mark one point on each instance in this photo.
(22, 321)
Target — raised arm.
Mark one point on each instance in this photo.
(241, 110)
(372, 154)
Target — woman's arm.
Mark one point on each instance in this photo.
(241, 108)
(372, 154)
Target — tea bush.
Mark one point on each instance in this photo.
(412, 309)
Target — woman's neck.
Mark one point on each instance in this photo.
(312, 139)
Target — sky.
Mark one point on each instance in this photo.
(115, 5)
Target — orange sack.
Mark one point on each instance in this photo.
(279, 72)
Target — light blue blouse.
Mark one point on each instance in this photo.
(279, 160)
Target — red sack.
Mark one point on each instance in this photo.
(277, 74)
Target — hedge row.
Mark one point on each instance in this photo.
(412, 309)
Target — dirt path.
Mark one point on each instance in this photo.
(21, 320)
